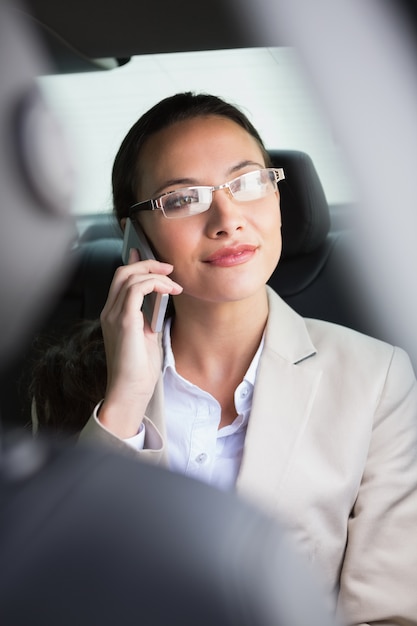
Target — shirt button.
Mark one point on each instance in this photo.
(201, 458)
(244, 392)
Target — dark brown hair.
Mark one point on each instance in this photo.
(177, 108)
(68, 379)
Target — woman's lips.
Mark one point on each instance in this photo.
(234, 255)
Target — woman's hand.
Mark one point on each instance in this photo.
(132, 349)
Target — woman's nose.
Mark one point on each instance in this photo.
(225, 215)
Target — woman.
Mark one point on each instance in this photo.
(312, 421)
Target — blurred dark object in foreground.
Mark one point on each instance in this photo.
(90, 537)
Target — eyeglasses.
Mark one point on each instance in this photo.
(193, 200)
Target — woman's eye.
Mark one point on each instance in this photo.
(186, 200)
(236, 186)
(178, 201)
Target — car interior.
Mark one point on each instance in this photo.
(88, 40)
(216, 561)
(88, 535)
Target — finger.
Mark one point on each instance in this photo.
(130, 297)
(150, 266)
(136, 268)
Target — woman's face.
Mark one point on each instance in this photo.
(228, 252)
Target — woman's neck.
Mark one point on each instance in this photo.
(215, 340)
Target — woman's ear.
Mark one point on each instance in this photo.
(123, 223)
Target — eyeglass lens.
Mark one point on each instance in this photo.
(193, 200)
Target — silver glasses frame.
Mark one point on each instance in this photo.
(156, 204)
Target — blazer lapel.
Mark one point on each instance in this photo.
(285, 389)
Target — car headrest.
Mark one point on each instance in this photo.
(304, 208)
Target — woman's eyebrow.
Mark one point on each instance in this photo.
(242, 164)
(174, 182)
(189, 182)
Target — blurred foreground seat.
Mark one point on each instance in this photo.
(90, 537)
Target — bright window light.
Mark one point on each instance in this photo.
(98, 108)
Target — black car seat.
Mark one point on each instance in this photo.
(313, 275)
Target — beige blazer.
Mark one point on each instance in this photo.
(331, 450)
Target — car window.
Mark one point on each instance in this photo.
(98, 108)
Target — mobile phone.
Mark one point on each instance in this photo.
(154, 304)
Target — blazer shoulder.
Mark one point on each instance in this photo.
(319, 328)
(352, 346)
